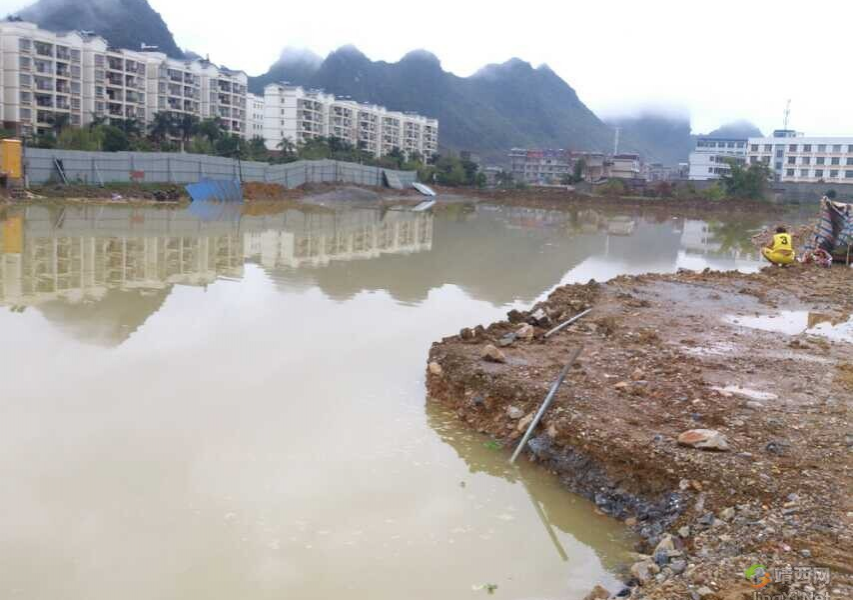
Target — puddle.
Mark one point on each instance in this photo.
(747, 392)
(794, 322)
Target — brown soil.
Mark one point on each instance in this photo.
(655, 351)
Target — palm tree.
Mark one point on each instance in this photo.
(132, 128)
(288, 148)
(59, 121)
(212, 129)
(188, 126)
(161, 127)
(97, 121)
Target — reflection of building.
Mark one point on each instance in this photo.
(317, 239)
(78, 255)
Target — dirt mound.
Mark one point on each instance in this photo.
(669, 354)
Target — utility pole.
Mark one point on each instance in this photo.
(787, 115)
(616, 142)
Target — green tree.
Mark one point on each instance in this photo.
(75, 138)
(212, 129)
(199, 145)
(504, 179)
(161, 127)
(748, 183)
(58, 122)
(187, 125)
(114, 139)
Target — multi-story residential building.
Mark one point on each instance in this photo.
(539, 166)
(711, 159)
(624, 166)
(76, 77)
(594, 164)
(254, 116)
(296, 114)
(41, 78)
(792, 157)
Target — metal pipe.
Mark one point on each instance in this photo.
(546, 403)
(562, 326)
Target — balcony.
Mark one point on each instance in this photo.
(45, 85)
(44, 101)
(62, 87)
(62, 70)
(63, 54)
(176, 76)
(115, 64)
(116, 110)
(43, 49)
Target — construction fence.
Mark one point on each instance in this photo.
(43, 166)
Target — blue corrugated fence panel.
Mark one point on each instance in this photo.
(209, 190)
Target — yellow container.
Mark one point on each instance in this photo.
(10, 158)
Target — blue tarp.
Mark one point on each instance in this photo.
(210, 190)
(835, 228)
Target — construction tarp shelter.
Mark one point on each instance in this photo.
(834, 232)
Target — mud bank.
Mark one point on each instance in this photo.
(761, 365)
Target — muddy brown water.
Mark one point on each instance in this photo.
(225, 406)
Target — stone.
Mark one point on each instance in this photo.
(684, 531)
(525, 332)
(597, 593)
(753, 405)
(678, 566)
(661, 558)
(514, 413)
(631, 521)
(540, 318)
(514, 316)
(507, 340)
(705, 591)
(622, 385)
(492, 354)
(638, 374)
(525, 422)
(704, 439)
(806, 553)
(727, 514)
(641, 571)
(665, 544)
(435, 369)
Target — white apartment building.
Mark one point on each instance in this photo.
(45, 74)
(254, 116)
(793, 157)
(711, 157)
(41, 75)
(296, 114)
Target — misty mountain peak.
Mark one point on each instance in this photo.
(496, 70)
(291, 55)
(421, 55)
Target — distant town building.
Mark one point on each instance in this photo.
(711, 157)
(297, 114)
(539, 167)
(594, 167)
(624, 166)
(792, 157)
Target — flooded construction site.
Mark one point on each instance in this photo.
(234, 406)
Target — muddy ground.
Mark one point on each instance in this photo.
(662, 355)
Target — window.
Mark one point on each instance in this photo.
(818, 173)
(778, 166)
(807, 147)
(833, 174)
(24, 45)
(768, 147)
(850, 148)
(75, 55)
(836, 148)
(753, 147)
(24, 80)
(25, 63)
(820, 160)
(804, 172)
(792, 148)
(765, 160)
(753, 160)
(741, 144)
(850, 160)
(780, 153)
(792, 160)
(26, 97)
(836, 160)
(821, 147)
(848, 174)
(789, 172)
(806, 160)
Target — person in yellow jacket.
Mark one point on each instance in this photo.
(781, 251)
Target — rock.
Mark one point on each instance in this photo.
(622, 385)
(641, 571)
(466, 334)
(753, 405)
(597, 593)
(705, 591)
(631, 521)
(507, 340)
(539, 317)
(665, 544)
(525, 332)
(525, 422)
(514, 316)
(492, 354)
(661, 558)
(806, 553)
(704, 439)
(514, 412)
(684, 531)
(435, 369)
(638, 374)
(727, 514)
(678, 566)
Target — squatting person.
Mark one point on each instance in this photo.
(781, 251)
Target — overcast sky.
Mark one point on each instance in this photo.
(718, 61)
